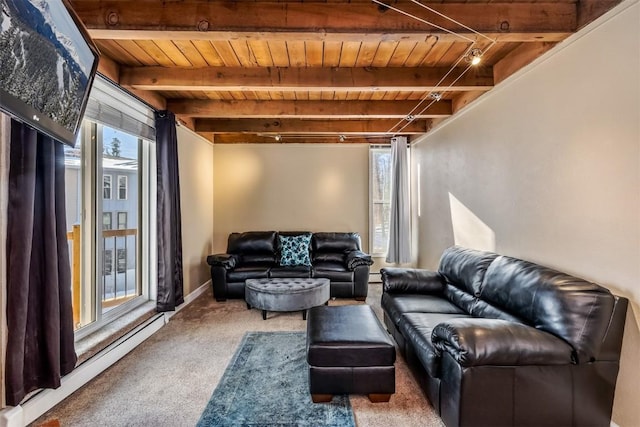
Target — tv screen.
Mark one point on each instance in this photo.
(47, 66)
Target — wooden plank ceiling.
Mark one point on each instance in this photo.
(321, 71)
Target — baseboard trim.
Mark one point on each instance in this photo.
(188, 299)
(30, 410)
(195, 294)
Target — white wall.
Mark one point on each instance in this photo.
(290, 187)
(195, 157)
(546, 167)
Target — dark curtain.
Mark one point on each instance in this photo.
(39, 315)
(170, 282)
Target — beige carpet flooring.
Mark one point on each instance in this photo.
(167, 381)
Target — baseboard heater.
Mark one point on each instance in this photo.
(30, 410)
(43, 400)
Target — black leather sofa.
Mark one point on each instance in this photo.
(255, 255)
(498, 341)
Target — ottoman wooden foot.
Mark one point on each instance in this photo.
(321, 398)
(379, 398)
(264, 314)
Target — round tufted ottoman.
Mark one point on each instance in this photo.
(286, 294)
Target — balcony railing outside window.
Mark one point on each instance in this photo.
(119, 284)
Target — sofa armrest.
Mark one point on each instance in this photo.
(476, 342)
(411, 281)
(355, 259)
(227, 261)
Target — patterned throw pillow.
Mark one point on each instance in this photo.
(294, 250)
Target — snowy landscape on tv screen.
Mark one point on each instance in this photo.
(44, 60)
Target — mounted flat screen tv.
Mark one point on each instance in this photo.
(47, 66)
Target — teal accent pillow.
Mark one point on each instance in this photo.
(294, 250)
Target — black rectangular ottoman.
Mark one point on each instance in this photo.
(349, 351)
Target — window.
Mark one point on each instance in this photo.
(122, 220)
(112, 262)
(122, 187)
(106, 221)
(106, 186)
(379, 197)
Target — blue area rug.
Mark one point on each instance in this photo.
(267, 384)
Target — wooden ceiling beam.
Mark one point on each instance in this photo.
(588, 10)
(306, 79)
(316, 127)
(518, 58)
(111, 70)
(372, 37)
(308, 109)
(232, 20)
(239, 138)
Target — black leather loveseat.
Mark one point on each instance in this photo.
(256, 255)
(498, 341)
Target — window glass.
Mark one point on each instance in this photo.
(380, 187)
(120, 159)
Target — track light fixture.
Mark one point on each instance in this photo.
(278, 138)
(342, 138)
(475, 56)
(436, 96)
(410, 118)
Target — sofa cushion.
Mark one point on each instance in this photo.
(252, 242)
(334, 271)
(249, 260)
(465, 268)
(294, 250)
(484, 309)
(240, 274)
(398, 304)
(574, 309)
(417, 328)
(335, 242)
(411, 281)
(296, 271)
(330, 266)
(459, 297)
(329, 257)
